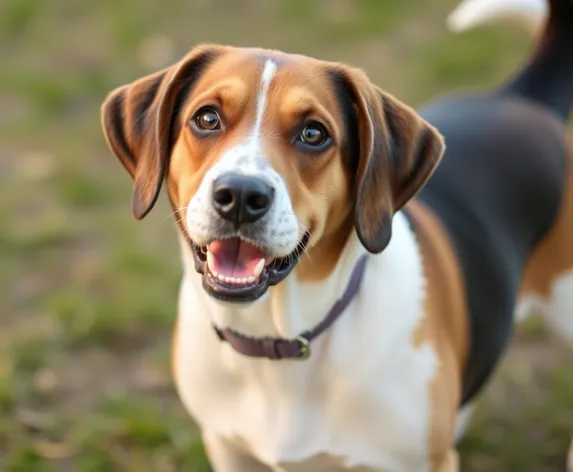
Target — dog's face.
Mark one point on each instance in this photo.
(267, 155)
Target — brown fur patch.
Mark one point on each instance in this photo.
(451, 463)
(445, 327)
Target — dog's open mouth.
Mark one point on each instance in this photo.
(239, 271)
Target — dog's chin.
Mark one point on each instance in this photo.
(253, 282)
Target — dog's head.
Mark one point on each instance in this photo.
(265, 155)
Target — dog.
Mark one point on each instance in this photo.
(349, 286)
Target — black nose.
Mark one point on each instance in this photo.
(241, 199)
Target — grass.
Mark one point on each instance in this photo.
(89, 295)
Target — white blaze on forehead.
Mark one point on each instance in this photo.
(278, 230)
(269, 71)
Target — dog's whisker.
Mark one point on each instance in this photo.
(311, 240)
(172, 214)
(178, 221)
(305, 230)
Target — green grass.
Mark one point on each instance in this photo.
(89, 295)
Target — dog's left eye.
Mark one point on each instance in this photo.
(206, 119)
(314, 135)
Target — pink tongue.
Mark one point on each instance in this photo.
(235, 258)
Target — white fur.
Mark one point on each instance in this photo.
(560, 312)
(463, 420)
(557, 309)
(269, 71)
(278, 231)
(470, 14)
(363, 395)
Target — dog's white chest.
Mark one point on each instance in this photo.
(360, 402)
(362, 412)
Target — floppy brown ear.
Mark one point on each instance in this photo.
(140, 122)
(398, 152)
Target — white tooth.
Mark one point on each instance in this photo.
(259, 268)
(229, 279)
(220, 277)
(250, 280)
(244, 281)
(210, 261)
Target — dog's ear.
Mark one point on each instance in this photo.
(397, 152)
(140, 122)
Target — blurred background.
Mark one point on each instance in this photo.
(88, 295)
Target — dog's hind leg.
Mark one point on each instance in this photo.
(548, 283)
(462, 422)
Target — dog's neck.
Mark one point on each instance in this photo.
(286, 310)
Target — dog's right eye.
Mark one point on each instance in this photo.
(205, 120)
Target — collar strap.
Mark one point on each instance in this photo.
(299, 347)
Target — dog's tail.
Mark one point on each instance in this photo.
(470, 14)
(547, 77)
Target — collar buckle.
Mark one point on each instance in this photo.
(304, 347)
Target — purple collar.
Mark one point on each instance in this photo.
(299, 347)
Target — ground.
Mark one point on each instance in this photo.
(88, 294)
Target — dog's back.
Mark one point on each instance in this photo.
(504, 192)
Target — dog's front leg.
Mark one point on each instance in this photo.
(225, 457)
(451, 462)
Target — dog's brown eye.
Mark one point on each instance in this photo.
(207, 120)
(314, 135)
